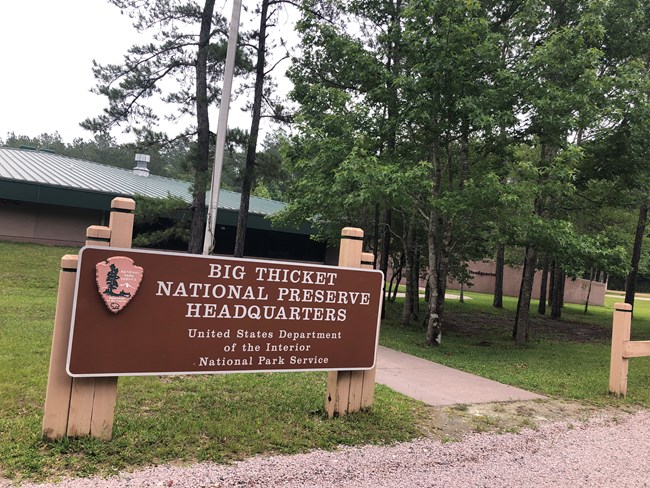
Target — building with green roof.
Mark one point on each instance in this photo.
(51, 199)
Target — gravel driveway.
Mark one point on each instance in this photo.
(602, 452)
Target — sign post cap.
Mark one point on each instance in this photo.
(351, 232)
(69, 261)
(123, 203)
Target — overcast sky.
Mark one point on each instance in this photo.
(47, 52)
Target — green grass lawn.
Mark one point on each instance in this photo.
(160, 419)
(226, 417)
(567, 358)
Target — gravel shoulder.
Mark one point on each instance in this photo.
(525, 444)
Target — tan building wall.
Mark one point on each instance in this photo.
(45, 224)
(575, 291)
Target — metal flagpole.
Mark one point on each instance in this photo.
(222, 126)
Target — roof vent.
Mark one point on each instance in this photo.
(141, 161)
(25, 147)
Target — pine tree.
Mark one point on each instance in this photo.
(111, 281)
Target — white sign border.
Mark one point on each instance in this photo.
(117, 250)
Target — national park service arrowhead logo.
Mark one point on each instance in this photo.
(118, 280)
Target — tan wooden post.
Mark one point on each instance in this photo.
(621, 327)
(636, 349)
(121, 235)
(121, 222)
(82, 406)
(98, 235)
(368, 388)
(623, 348)
(82, 398)
(344, 388)
(59, 384)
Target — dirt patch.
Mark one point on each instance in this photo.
(452, 423)
(485, 325)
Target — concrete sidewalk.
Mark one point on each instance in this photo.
(437, 385)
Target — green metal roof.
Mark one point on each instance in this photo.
(29, 174)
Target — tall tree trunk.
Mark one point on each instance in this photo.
(375, 243)
(434, 320)
(592, 275)
(443, 273)
(630, 282)
(437, 277)
(415, 276)
(551, 284)
(464, 153)
(392, 65)
(522, 319)
(202, 159)
(410, 292)
(498, 276)
(435, 241)
(558, 291)
(541, 307)
(396, 279)
(392, 111)
(251, 150)
(523, 272)
(385, 251)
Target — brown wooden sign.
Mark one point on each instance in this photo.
(202, 314)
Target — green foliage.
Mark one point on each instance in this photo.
(474, 118)
(559, 68)
(128, 86)
(161, 222)
(346, 120)
(181, 67)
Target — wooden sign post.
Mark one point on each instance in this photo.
(82, 406)
(350, 391)
(141, 312)
(59, 384)
(623, 348)
(368, 382)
